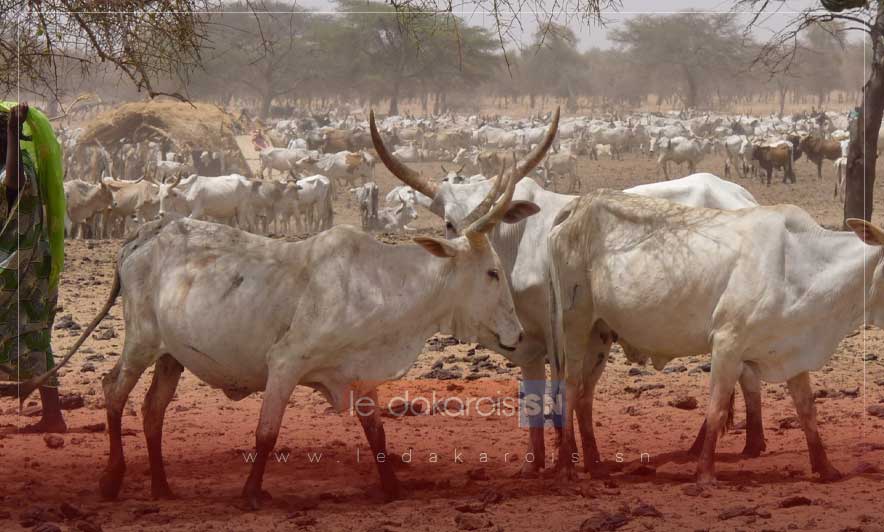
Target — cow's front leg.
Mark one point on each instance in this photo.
(367, 409)
(534, 388)
(799, 388)
(166, 374)
(280, 385)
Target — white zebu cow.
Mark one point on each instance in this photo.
(527, 264)
(703, 189)
(618, 137)
(199, 197)
(270, 202)
(680, 150)
(280, 159)
(240, 312)
(345, 166)
(86, 204)
(408, 153)
(315, 202)
(749, 286)
(563, 166)
(167, 168)
(735, 147)
(134, 201)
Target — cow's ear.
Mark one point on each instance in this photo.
(519, 210)
(436, 246)
(867, 232)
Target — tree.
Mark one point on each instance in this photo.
(270, 55)
(689, 48)
(393, 54)
(778, 54)
(145, 41)
(553, 66)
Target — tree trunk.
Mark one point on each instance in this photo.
(862, 153)
(394, 98)
(691, 89)
(782, 90)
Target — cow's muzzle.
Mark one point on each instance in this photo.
(509, 347)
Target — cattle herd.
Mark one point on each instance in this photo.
(527, 267)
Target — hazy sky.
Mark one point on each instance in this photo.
(595, 36)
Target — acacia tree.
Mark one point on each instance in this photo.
(270, 55)
(145, 41)
(553, 66)
(779, 53)
(689, 48)
(391, 53)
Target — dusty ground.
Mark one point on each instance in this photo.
(207, 434)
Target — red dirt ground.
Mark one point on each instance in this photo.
(207, 434)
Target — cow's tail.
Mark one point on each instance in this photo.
(28, 387)
(729, 421)
(556, 339)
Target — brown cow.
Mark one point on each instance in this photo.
(775, 157)
(819, 149)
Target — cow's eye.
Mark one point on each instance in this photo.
(449, 226)
(494, 274)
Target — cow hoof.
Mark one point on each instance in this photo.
(830, 474)
(392, 493)
(254, 498)
(565, 474)
(597, 470)
(162, 492)
(529, 470)
(109, 485)
(706, 480)
(753, 451)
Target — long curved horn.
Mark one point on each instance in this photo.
(497, 188)
(536, 155)
(405, 174)
(488, 221)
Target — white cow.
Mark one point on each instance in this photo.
(749, 286)
(680, 150)
(86, 203)
(315, 202)
(527, 266)
(245, 314)
(219, 198)
(279, 159)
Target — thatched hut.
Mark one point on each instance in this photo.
(187, 129)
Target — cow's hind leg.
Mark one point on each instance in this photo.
(166, 374)
(799, 388)
(370, 419)
(751, 386)
(117, 385)
(726, 371)
(595, 359)
(578, 343)
(280, 384)
(750, 383)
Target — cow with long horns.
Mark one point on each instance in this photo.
(339, 312)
